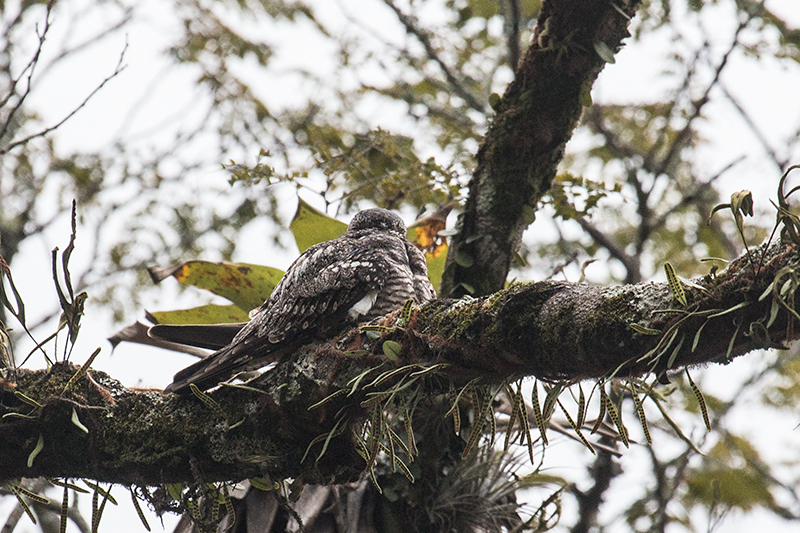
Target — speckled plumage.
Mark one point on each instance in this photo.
(369, 271)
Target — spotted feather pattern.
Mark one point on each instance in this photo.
(369, 271)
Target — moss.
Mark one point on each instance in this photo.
(520, 314)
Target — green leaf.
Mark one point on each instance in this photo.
(605, 53)
(585, 94)
(36, 449)
(310, 226)
(643, 330)
(674, 284)
(204, 314)
(528, 214)
(136, 506)
(734, 474)
(718, 207)
(263, 484)
(77, 421)
(464, 259)
(392, 350)
(436, 266)
(244, 284)
(175, 490)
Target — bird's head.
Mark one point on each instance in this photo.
(378, 219)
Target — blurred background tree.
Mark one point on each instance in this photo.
(385, 102)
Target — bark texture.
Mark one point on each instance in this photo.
(550, 330)
(535, 118)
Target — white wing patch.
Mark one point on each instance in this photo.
(363, 306)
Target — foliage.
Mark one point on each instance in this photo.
(247, 286)
(638, 195)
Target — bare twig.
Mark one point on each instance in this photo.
(126, 17)
(38, 486)
(695, 193)
(29, 68)
(631, 264)
(409, 23)
(780, 162)
(683, 135)
(41, 133)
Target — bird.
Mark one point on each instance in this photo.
(366, 273)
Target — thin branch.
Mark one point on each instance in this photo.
(424, 38)
(73, 513)
(672, 104)
(119, 68)
(38, 486)
(631, 264)
(683, 135)
(13, 519)
(781, 163)
(66, 52)
(512, 34)
(644, 228)
(602, 471)
(404, 91)
(30, 69)
(695, 194)
(621, 151)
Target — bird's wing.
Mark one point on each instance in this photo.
(314, 297)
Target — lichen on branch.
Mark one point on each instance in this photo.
(555, 331)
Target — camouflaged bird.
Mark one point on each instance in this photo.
(369, 271)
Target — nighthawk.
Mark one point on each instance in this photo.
(369, 271)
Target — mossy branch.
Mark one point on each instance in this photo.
(551, 330)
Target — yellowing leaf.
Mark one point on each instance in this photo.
(425, 231)
(425, 234)
(263, 484)
(244, 284)
(205, 314)
(310, 226)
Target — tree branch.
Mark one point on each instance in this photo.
(631, 264)
(551, 330)
(535, 118)
(30, 68)
(43, 132)
(424, 38)
(511, 20)
(683, 136)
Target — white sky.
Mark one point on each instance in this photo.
(161, 97)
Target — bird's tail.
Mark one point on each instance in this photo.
(205, 373)
(210, 336)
